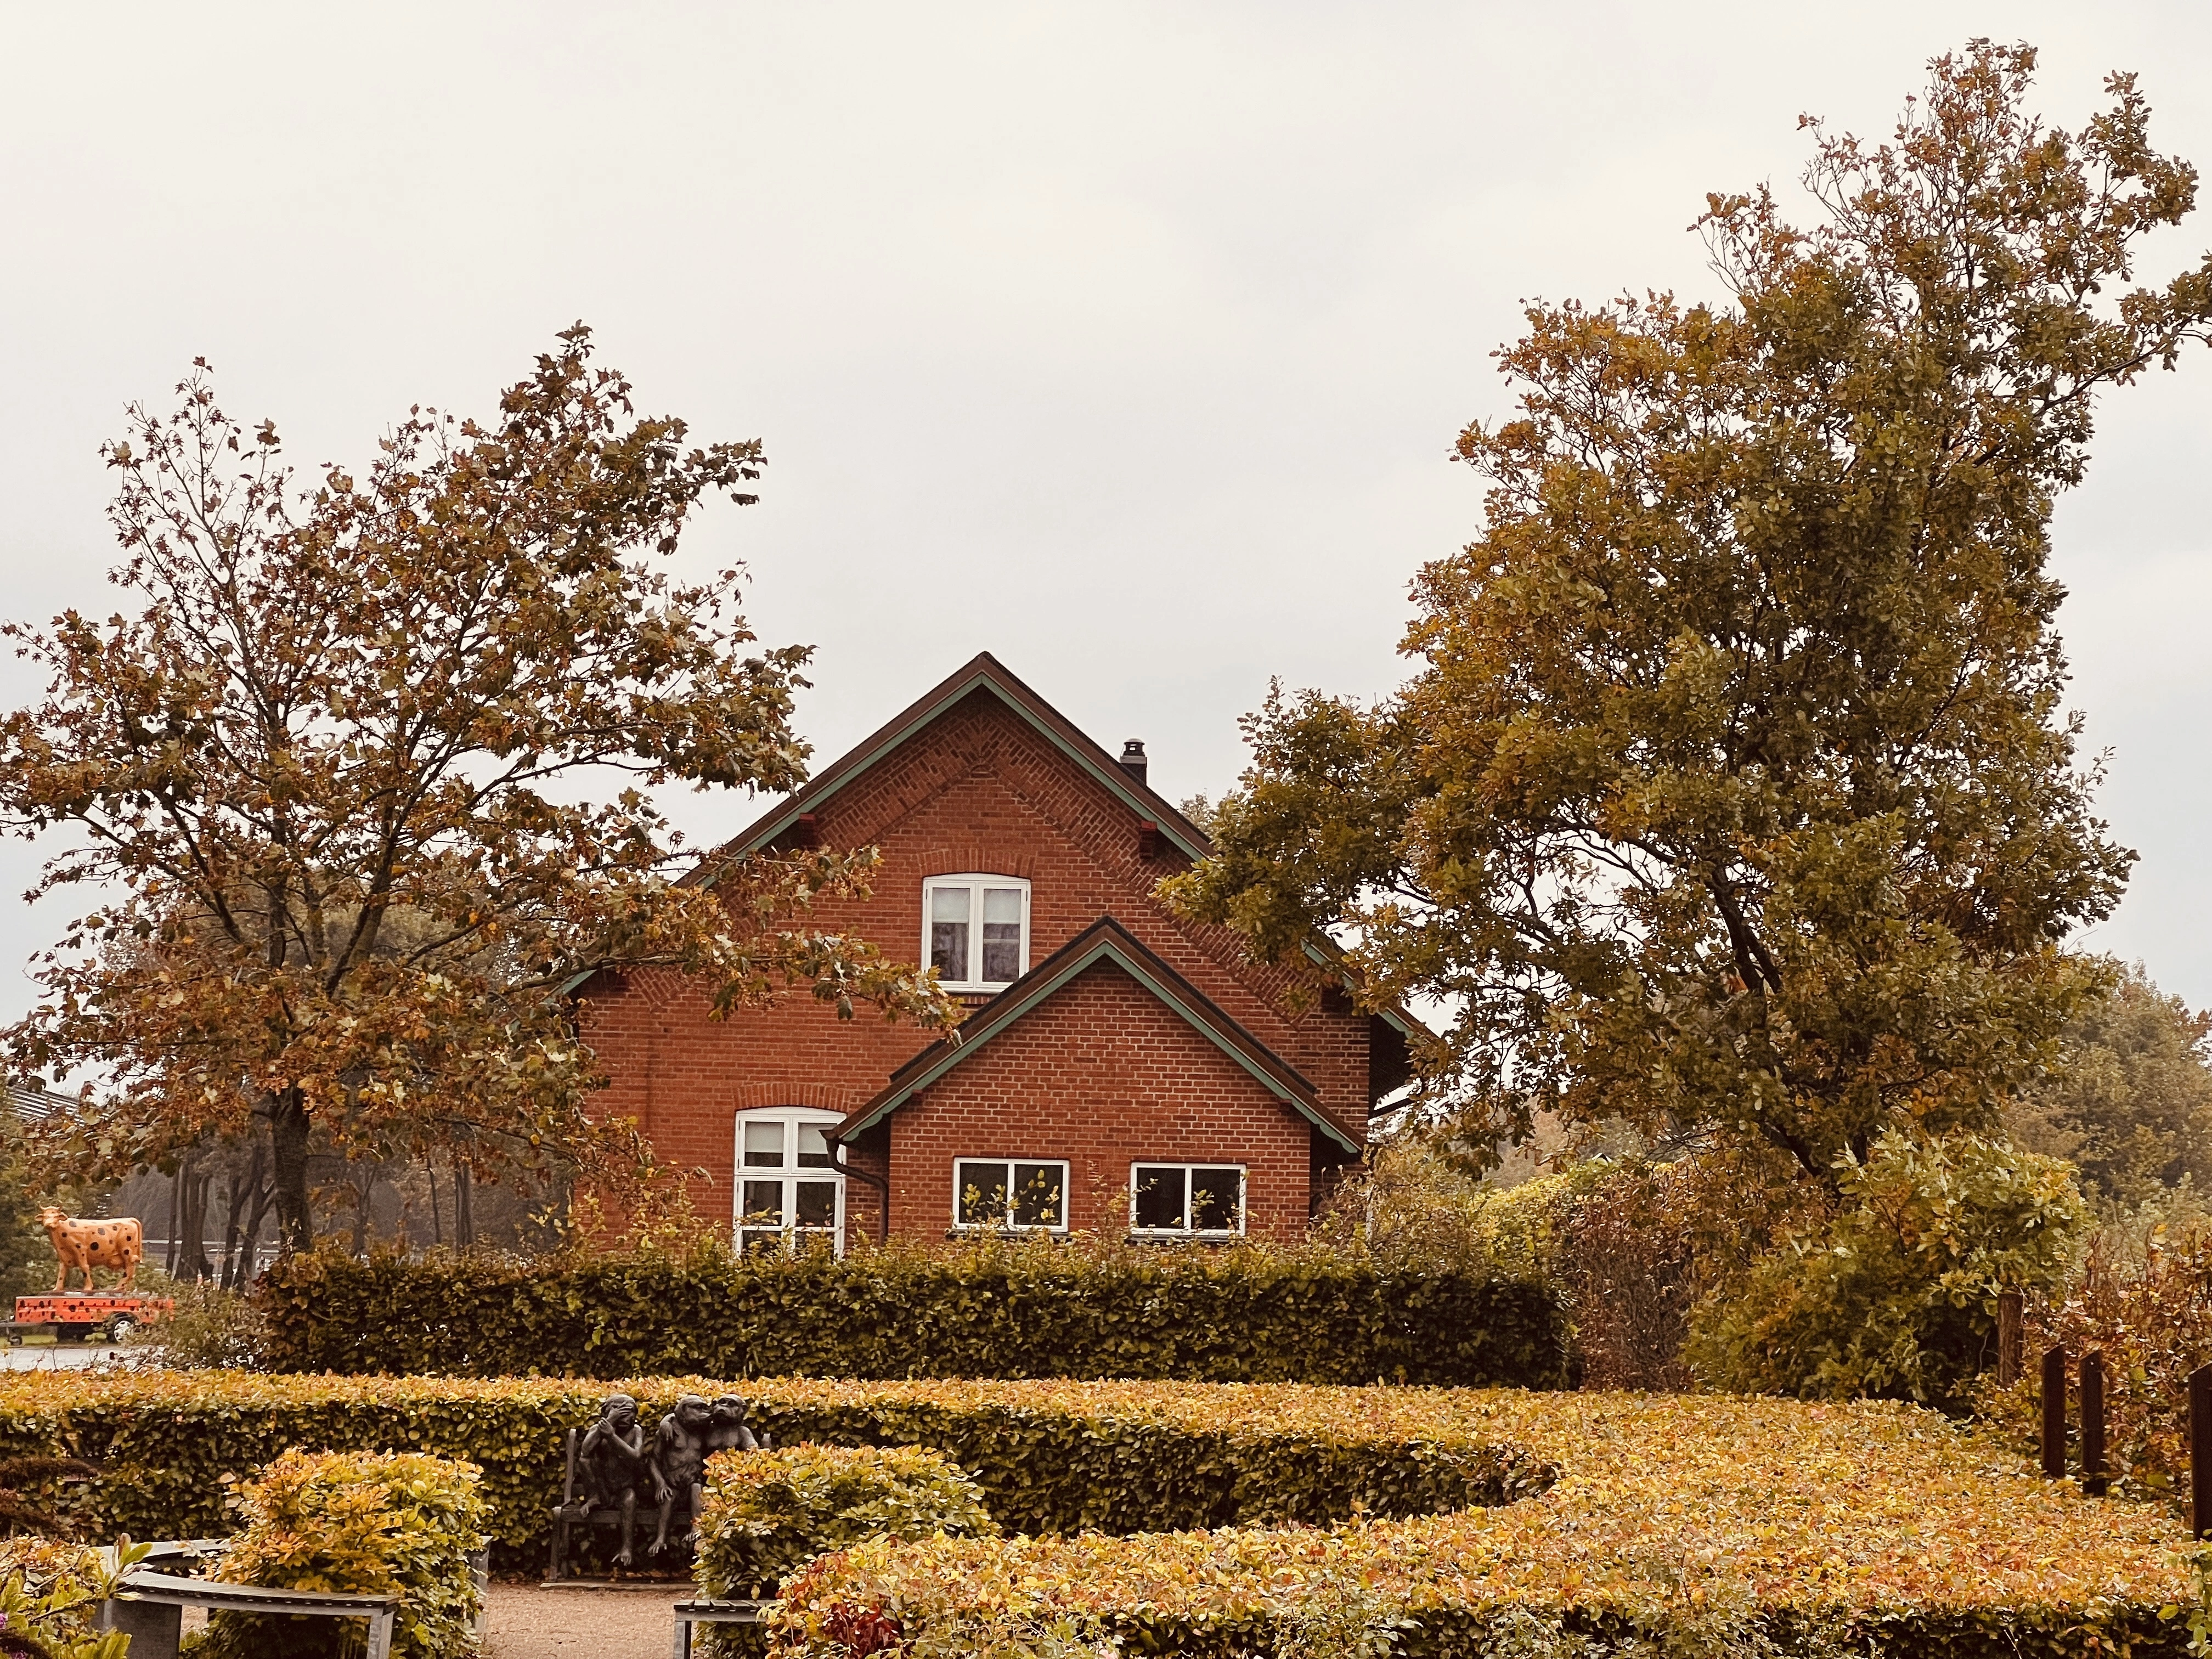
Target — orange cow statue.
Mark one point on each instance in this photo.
(84, 1245)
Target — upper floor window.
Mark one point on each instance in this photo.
(975, 930)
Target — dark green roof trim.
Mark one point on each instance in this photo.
(1331, 960)
(1105, 941)
(982, 673)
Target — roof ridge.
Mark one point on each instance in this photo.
(981, 671)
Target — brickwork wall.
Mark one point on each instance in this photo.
(1101, 1075)
(980, 790)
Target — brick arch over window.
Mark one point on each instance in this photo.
(799, 1097)
(974, 858)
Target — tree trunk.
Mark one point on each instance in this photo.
(264, 1196)
(361, 1178)
(437, 1227)
(464, 1223)
(176, 1228)
(192, 1259)
(234, 1209)
(241, 1193)
(287, 1145)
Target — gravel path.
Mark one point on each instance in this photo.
(598, 1622)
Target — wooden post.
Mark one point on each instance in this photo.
(2054, 1413)
(2200, 1451)
(2010, 1337)
(2093, 1423)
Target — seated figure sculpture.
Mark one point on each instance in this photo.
(612, 1464)
(680, 1462)
(729, 1431)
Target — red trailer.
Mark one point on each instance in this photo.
(73, 1316)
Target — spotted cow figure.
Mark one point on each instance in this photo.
(87, 1245)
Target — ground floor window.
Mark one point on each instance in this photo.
(790, 1194)
(1026, 1194)
(1187, 1198)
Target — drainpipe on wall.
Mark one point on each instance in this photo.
(881, 1183)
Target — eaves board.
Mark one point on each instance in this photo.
(1394, 1017)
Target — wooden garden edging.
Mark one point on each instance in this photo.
(2096, 1478)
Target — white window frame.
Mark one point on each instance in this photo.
(1244, 1197)
(974, 882)
(1008, 1225)
(790, 1173)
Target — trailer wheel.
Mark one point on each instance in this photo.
(123, 1324)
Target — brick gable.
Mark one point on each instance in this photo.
(978, 786)
(1102, 1075)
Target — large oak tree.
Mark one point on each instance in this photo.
(1734, 795)
(356, 787)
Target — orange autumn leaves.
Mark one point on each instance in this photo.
(1668, 1513)
(1691, 1514)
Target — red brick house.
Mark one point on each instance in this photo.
(1121, 1070)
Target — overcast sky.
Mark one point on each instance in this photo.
(1126, 342)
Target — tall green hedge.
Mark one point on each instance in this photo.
(1247, 1315)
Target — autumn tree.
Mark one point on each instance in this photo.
(2130, 1098)
(1732, 795)
(356, 786)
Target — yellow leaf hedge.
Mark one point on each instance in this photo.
(766, 1513)
(1685, 1524)
(361, 1524)
(1706, 1523)
(50, 1593)
(1049, 1455)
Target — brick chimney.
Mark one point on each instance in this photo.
(1133, 759)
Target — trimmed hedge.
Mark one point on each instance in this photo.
(1688, 1524)
(363, 1523)
(1048, 1456)
(1696, 1525)
(1241, 1315)
(765, 1513)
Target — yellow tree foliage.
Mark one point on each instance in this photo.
(329, 784)
(1735, 791)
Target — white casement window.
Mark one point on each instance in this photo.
(1189, 1201)
(975, 930)
(790, 1195)
(1018, 1194)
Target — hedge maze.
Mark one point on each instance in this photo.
(1220, 1519)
